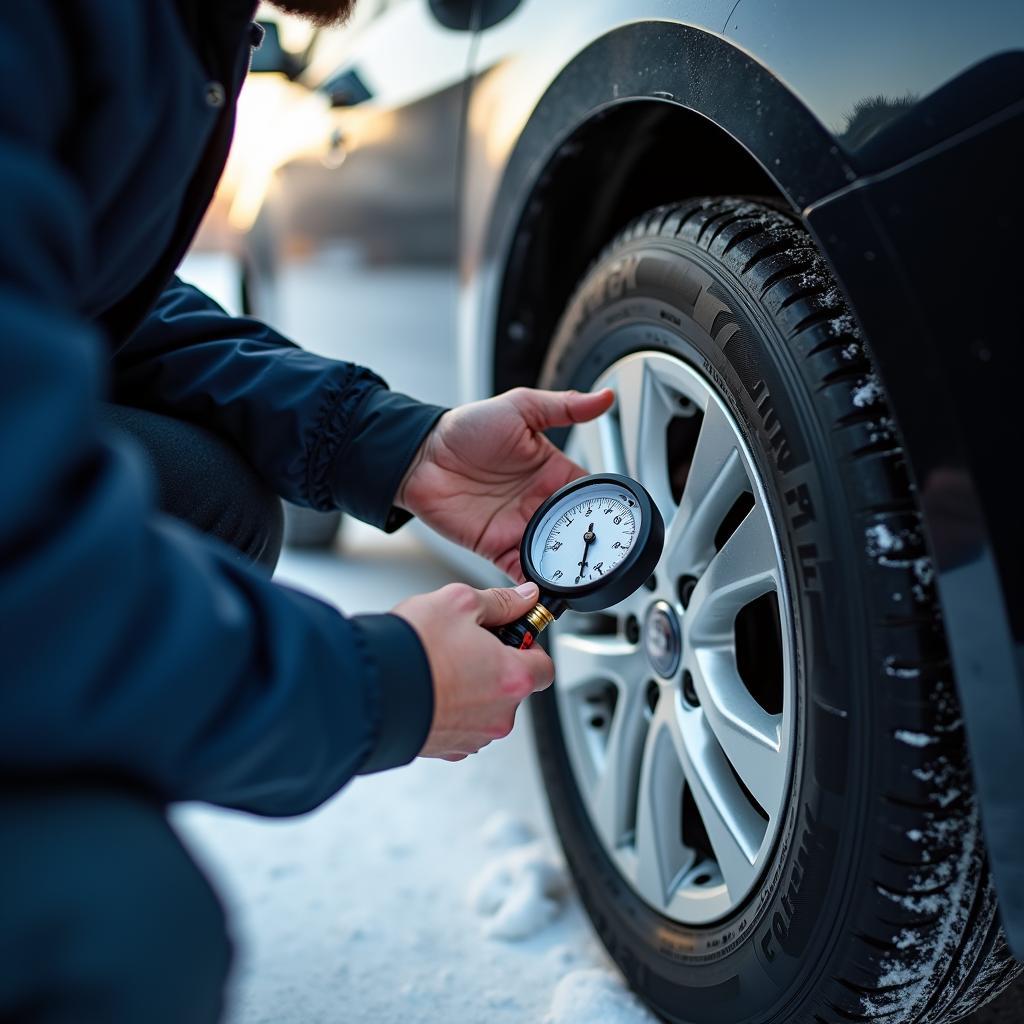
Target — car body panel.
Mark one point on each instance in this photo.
(862, 67)
(948, 345)
(367, 208)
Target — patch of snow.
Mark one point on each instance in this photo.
(915, 835)
(563, 956)
(916, 904)
(881, 540)
(519, 893)
(595, 996)
(867, 393)
(914, 739)
(1000, 962)
(924, 570)
(896, 670)
(503, 830)
(501, 1000)
(909, 976)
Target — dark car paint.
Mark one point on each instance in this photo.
(883, 62)
(934, 270)
(896, 134)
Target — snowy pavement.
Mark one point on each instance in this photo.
(434, 893)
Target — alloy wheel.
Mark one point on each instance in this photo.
(678, 705)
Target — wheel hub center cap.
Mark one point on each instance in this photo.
(663, 639)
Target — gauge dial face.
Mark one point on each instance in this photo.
(586, 535)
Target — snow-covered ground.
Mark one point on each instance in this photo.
(434, 893)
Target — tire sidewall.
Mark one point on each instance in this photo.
(675, 298)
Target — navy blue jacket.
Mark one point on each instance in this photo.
(129, 644)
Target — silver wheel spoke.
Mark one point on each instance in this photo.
(597, 446)
(743, 570)
(644, 410)
(750, 737)
(613, 800)
(611, 764)
(582, 660)
(661, 858)
(715, 480)
(733, 826)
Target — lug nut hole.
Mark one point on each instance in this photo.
(685, 589)
(652, 695)
(651, 583)
(632, 629)
(689, 691)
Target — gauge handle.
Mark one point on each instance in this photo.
(524, 631)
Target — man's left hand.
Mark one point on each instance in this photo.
(486, 467)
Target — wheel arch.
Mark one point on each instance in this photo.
(614, 135)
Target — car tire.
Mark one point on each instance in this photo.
(1008, 1008)
(874, 901)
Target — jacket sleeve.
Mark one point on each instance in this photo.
(322, 433)
(129, 645)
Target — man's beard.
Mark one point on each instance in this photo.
(320, 12)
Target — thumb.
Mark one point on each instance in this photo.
(504, 604)
(544, 409)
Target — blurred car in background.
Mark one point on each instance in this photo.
(787, 235)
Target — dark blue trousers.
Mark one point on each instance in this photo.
(202, 479)
(104, 917)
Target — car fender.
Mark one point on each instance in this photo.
(660, 61)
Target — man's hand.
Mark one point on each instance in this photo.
(486, 467)
(478, 681)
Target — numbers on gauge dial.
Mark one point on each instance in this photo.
(588, 539)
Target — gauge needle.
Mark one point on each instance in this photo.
(588, 538)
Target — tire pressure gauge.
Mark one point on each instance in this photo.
(590, 545)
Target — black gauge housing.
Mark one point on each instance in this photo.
(628, 576)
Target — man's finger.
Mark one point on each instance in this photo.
(540, 667)
(500, 605)
(544, 409)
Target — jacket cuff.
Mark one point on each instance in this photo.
(404, 690)
(389, 429)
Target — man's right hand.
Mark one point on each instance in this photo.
(478, 681)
